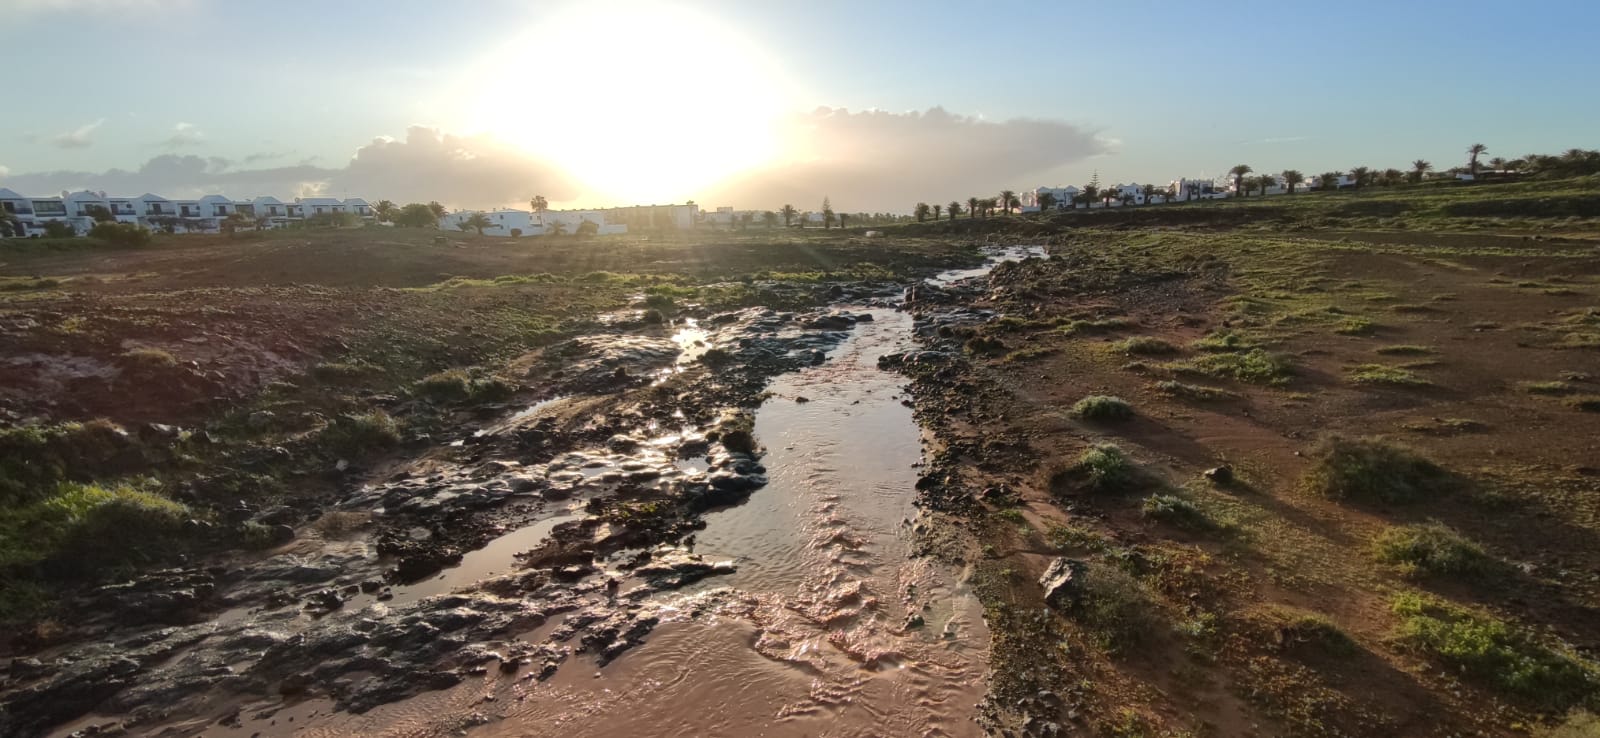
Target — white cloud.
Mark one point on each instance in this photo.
(875, 160)
(184, 134)
(77, 138)
(26, 7)
(465, 171)
(4, 170)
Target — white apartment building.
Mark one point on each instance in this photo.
(607, 221)
(1063, 198)
(205, 215)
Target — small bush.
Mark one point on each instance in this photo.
(1405, 350)
(1177, 511)
(149, 358)
(1102, 408)
(1432, 549)
(1580, 341)
(344, 373)
(1105, 325)
(1355, 327)
(1371, 470)
(80, 528)
(1223, 341)
(1588, 404)
(1495, 652)
(456, 385)
(121, 234)
(1103, 469)
(984, 346)
(359, 434)
(1115, 606)
(1256, 365)
(1388, 375)
(34, 459)
(1146, 346)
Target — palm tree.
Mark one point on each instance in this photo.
(1091, 192)
(1006, 198)
(437, 210)
(1392, 177)
(1149, 193)
(770, 219)
(1291, 177)
(1360, 177)
(1473, 151)
(475, 221)
(1499, 163)
(385, 210)
(788, 212)
(1238, 173)
(973, 206)
(1046, 200)
(539, 204)
(955, 209)
(1328, 180)
(1419, 169)
(827, 213)
(921, 211)
(556, 228)
(937, 209)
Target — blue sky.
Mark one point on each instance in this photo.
(1166, 89)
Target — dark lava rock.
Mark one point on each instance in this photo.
(1222, 475)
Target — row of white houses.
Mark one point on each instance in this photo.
(204, 215)
(603, 221)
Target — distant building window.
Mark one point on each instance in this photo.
(50, 207)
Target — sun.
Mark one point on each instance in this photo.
(641, 102)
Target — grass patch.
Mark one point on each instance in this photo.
(1388, 375)
(1405, 349)
(1494, 652)
(1256, 365)
(1432, 549)
(1223, 341)
(1580, 341)
(1027, 354)
(83, 529)
(1588, 403)
(34, 459)
(984, 346)
(1193, 391)
(1102, 408)
(1176, 511)
(456, 385)
(360, 434)
(1115, 606)
(149, 358)
(1548, 388)
(344, 372)
(1103, 325)
(1356, 326)
(1372, 470)
(1103, 469)
(1146, 346)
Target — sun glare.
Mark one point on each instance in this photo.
(641, 103)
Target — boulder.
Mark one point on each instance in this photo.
(1062, 582)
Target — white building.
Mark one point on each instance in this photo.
(1196, 189)
(205, 215)
(1063, 198)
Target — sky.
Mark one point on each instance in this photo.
(876, 105)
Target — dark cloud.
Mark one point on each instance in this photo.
(428, 165)
(875, 160)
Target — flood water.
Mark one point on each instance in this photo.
(830, 626)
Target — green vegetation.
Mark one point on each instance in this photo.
(458, 386)
(1432, 549)
(1115, 606)
(1102, 408)
(1146, 346)
(35, 459)
(1355, 326)
(149, 358)
(360, 434)
(1384, 374)
(1494, 652)
(83, 527)
(344, 372)
(1193, 391)
(1176, 511)
(1223, 341)
(1103, 469)
(1579, 724)
(1588, 403)
(1103, 325)
(121, 234)
(1372, 470)
(1256, 366)
(1548, 388)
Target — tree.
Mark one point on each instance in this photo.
(1499, 163)
(1419, 169)
(1006, 198)
(59, 229)
(1238, 173)
(416, 215)
(100, 214)
(1149, 193)
(10, 225)
(974, 205)
(937, 210)
(788, 214)
(955, 209)
(538, 204)
(475, 221)
(827, 213)
(770, 218)
(385, 210)
(437, 210)
(744, 220)
(1091, 192)
(1391, 177)
(556, 228)
(1473, 152)
(1328, 180)
(1291, 177)
(920, 212)
(1360, 177)
(1046, 200)
(235, 221)
(841, 219)
(587, 228)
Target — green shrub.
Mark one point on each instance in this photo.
(79, 528)
(1176, 511)
(1256, 365)
(1371, 470)
(121, 234)
(149, 358)
(358, 434)
(1193, 391)
(1146, 346)
(1432, 549)
(1355, 327)
(1115, 606)
(1223, 341)
(1384, 374)
(1405, 350)
(1102, 408)
(1105, 325)
(1494, 652)
(456, 385)
(34, 459)
(344, 373)
(1103, 469)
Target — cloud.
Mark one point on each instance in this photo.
(875, 160)
(262, 156)
(184, 134)
(29, 7)
(472, 171)
(77, 138)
